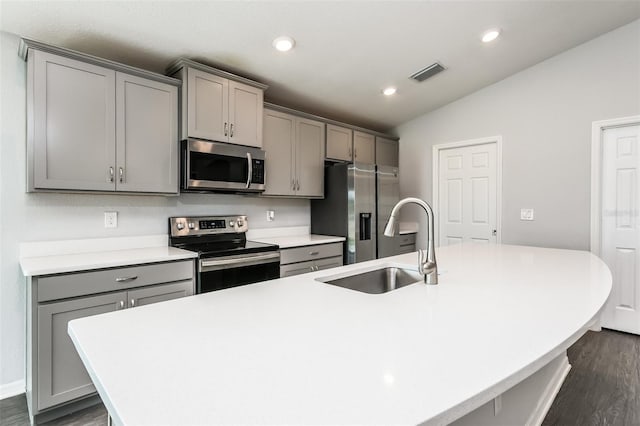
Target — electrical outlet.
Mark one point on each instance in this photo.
(526, 214)
(110, 219)
(271, 215)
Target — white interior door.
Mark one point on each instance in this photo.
(620, 226)
(467, 194)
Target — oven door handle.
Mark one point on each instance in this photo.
(212, 265)
(250, 166)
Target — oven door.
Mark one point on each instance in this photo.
(231, 271)
(223, 167)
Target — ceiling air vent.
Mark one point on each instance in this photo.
(427, 72)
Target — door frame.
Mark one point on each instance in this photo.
(436, 179)
(597, 130)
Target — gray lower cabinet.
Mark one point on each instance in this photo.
(406, 243)
(56, 378)
(62, 376)
(300, 260)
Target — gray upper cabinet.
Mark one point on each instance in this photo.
(219, 106)
(386, 152)
(364, 147)
(71, 124)
(82, 111)
(339, 143)
(279, 138)
(207, 106)
(146, 135)
(295, 155)
(309, 146)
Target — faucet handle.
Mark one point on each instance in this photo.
(422, 260)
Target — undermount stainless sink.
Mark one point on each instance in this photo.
(377, 281)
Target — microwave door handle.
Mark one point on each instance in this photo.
(250, 166)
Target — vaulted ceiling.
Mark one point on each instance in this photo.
(346, 51)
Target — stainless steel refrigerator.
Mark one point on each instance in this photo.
(356, 195)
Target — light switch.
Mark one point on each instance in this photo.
(271, 215)
(526, 214)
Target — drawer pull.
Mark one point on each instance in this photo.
(133, 302)
(314, 253)
(126, 279)
(121, 304)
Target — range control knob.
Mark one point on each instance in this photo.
(240, 223)
(231, 223)
(192, 225)
(180, 226)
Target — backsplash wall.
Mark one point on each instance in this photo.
(48, 216)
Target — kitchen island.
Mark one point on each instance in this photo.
(489, 340)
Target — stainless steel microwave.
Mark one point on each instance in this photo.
(214, 166)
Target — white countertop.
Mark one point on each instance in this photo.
(289, 241)
(297, 351)
(56, 257)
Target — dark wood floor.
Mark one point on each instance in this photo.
(602, 388)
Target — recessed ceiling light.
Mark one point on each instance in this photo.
(490, 35)
(284, 43)
(389, 91)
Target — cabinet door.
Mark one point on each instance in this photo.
(339, 143)
(279, 135)
(207, 106)
(386, 152)
(309, 158)
(146, 135)
(61, 373)
(245, 114)
(364, 148)
(159, 293)
(331, 262)
(296, 269)
(73, 127)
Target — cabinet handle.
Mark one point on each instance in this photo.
(297, 185)
(126, 279)
(111, 174)
(231, 130)
(349, 149)
(355, 153)
(225, 128)
(314, 253)
(121, 174)
(293, 184)
(121, 305)
(133, 302)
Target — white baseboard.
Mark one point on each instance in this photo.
(8, 390)
(549, 394)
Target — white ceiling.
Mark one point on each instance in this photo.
(346, 52)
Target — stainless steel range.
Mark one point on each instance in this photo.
(226, 258)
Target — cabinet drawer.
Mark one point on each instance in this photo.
(84, 283)
(407, 239)
(310, 266)
(302, 254)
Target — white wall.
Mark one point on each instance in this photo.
(544, 115)
(38, 217)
